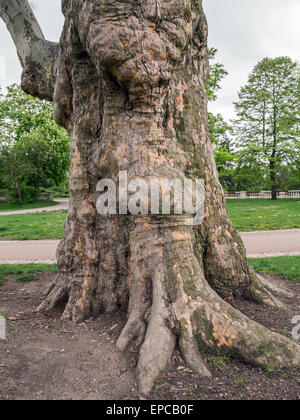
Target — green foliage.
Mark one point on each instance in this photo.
(60, 191)
(22, 114)
(261, 148)
(220, 130)
(267, 124)
(33, 149)
(220, 133)
(13, 167)
(217, 74)
(249, 178)
(28, 193)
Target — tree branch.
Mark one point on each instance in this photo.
(37, 56)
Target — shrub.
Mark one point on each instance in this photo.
(29, 195)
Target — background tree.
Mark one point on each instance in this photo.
(221, 137)
(33, 149)
(220, 130)
(22, 114)
(267, 127)
(47, 152)
(13, 169)
(128, 83)
(217, 73)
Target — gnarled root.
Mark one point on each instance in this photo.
(185, 307)
(170, 301)
(220, 327)
(190, 352)
(262, 291)
(56, 295)
(159, 343)
(228, 273)
(135, 328)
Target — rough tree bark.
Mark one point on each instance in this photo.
(128, 83)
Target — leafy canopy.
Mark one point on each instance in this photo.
(33, 149)
(220, 130)
(267, 124)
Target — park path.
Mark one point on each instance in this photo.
(62, 205)
(258, 244)
(23, 252)
(272, 243)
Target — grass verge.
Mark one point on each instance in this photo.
(34, 226)
(4, 206)
(258, 214)
(24, 272)
(287, 267)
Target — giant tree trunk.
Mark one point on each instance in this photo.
(130, 89)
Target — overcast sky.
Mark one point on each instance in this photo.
(244, 32)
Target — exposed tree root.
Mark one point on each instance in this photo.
(190, 352)
(135, 328)
(261, 291)
(226, 268)
(159, 343)
(57, 294)
(185, 307)
(171, 301)
(270, 287)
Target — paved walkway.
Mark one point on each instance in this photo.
(258, 244)
(22, 252)
(62, 205)
(272, 244)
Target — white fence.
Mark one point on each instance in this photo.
(262, 194)
(4, 197)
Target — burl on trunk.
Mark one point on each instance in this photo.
(128, 83)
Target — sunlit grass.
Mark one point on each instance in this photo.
(288, 267)
(24, 272)
(34, 226)
(259, 214)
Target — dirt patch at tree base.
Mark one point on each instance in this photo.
(45, 358)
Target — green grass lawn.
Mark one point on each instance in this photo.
(4, 206)
(288, 267)
(24, 272)
(32, 226)
(255, 214)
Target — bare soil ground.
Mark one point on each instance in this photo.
(46, 358)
